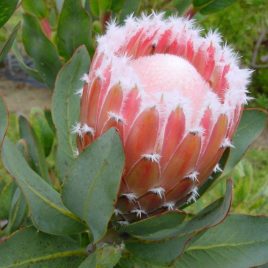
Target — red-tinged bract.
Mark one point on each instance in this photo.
(175, 96)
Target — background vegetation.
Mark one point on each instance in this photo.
(45, 34)
(244, 25)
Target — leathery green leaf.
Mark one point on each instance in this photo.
(31, 71)
(7, 7)
(36, 152)
(46, 208)
(9, 42)
(252, 124)
(130, 6)
(43, 52)
(42, 129)
(94, 180)
(37, 8)
(17, 213)
(165, 246)
(211, 6)
(74, 28)
(210, 216)
(7, 189)
(65, 107)
(155, 223)
(30, 248)
(3, 120)
(106, 256)
(241, 241)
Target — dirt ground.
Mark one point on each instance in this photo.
(20, 97)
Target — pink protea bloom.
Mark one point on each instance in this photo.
(175, 98)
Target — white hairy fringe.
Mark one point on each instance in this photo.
(212, 103)
(217, 168)
(172, 100)
(152, 157)
(169, 205)
(193, 195)
(227, 143)
(193, 176)
(116, 117)
(139, 212)
(160, 191)
(130, 196)
(123, 73)
(183, 30)
(117, 212)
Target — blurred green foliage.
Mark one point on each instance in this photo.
(52, 31)
(243, 24)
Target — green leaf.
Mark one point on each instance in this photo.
(241, 241)
(36, 152)
(46, 208)
(104, 5)
(3, 121)
(181, 5)
(117, 5)
(160, 253)
(66, 106)
(206, 218)
(262, 266)
(94, 7)
(130, 6)
(127, 262)
(29, 248)
(43, 52)
(155, 223)
(42, 129)
(22, 146)
(31, 71)
(164, 246)
(106, 256)
(252, 123)
(211, 6)
(17, 213)
(7, 190)
(48, 116)
(74, 28)
(9, 42)
(7, 7)
(90, 261)
(94, 180)
(36, 7)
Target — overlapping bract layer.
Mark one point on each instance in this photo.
(174, 96)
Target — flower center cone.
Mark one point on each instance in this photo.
(161, 73)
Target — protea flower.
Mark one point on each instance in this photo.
(175, 98)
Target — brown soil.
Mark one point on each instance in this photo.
(21, 97)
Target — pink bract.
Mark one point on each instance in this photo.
(175, 97)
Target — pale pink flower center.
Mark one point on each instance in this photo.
(160, 73)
